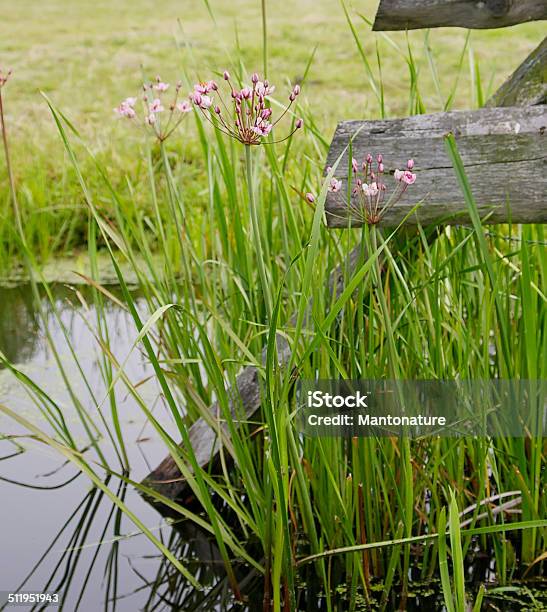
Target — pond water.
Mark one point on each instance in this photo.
(59, 533)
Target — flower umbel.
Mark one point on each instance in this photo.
(246, 116)
(161, 115)
(371, 197)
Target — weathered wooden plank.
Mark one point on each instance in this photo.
(504, 151)
(415, 14)
(527, 86)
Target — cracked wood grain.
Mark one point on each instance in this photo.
(504, 151)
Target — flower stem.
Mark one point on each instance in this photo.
(264, 40)
(8, 166)
(256, 231)
(393, 359)
(394, 373)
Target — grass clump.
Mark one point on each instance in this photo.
(450, 303)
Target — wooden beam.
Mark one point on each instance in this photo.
(415, 14)
(528, 84)
(504, 151)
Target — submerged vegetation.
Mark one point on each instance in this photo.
(229, 260)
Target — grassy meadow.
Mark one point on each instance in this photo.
(92, 55)
(228, 255)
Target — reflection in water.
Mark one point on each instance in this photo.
(88, 561)
(19, 324)
(59, 534)
(203, 558)
(97, 554)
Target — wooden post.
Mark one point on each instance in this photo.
(480, 14)
(527, 86)
(504, 151)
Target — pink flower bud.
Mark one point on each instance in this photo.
(296, 90)
(292, 97)
(380, 167)
(255, 78)
(380, 159)
(369, 158)
(299, 123)
(398, 175)
(226, 75)
(354, 165)
(410, 164)
(217, 109)
(310, 198)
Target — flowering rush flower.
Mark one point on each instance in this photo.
(161, 115)
(247, 115)
(371, 196)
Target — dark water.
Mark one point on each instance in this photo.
(57, 532)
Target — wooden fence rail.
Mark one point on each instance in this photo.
(504, 151)
(480, 14)
(528, 84)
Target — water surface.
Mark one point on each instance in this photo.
(57, 531)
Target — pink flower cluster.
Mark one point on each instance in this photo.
(247, 116)
(4, 76)
(371, 197)
(155, 116)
